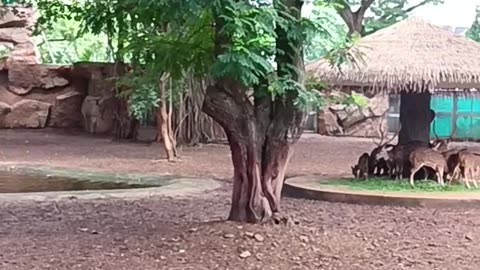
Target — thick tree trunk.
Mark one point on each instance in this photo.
(256, 191)
(259, 157)
(415, 118)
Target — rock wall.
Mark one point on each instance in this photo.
(33, 95)
(16, 44)
(36, 96)
(352, 120)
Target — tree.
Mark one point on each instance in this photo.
(236, 44)
(474, 31)
(385, 13)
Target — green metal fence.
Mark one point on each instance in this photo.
(451, 109)
(462, 111)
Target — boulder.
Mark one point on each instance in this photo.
(23, 78)
(354, 115)
(66, 110)
(354, 120)
(27, 113)
(378, 105)
(24, 53)
(327, 123)
(367, 128)
(15, 35)
(20, 17)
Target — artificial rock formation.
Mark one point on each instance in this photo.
(33, 95)
(352, 120)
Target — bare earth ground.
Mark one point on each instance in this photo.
(174, 233)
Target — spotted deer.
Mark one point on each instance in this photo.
(470, 162)
(360, 170)
(427, 157)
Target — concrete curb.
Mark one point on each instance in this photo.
(308, 188)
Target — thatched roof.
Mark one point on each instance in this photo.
(411, 54)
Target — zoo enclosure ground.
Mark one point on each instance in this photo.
(182, 233)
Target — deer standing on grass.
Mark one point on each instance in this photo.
(470, 162)
(379, 159)
(360, 170)
(427, 157)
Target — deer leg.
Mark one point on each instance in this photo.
(474, 177)
(414, 170)
(454, 174)
(425, 173)
(466, 176)
(440, 172)
(94, 125)
(86, 124)
(399, 171)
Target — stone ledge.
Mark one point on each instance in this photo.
(307, 187)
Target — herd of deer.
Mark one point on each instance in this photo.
(438, 159)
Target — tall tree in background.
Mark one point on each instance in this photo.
(385, 13)
(474, 31)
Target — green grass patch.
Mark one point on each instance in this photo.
(384, 184)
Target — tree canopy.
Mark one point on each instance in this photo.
(369, 16)
(474, 31)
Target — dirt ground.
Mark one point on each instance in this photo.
(188, 233)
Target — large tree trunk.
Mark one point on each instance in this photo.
(259, 155)
(415, 118)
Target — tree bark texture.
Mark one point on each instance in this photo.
(260, 132)
(259, 156)
(415, 118)
(162, 119)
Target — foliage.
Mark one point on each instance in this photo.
(388, 12)
(385, 12)
(4, 50)
(173, 37)
(384, 184)
(330, 34)
(62, 44)
(317, 86)
(474, 31)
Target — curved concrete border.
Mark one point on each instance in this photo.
(308, 187)
(167, 185)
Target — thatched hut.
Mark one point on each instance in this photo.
(413, 58)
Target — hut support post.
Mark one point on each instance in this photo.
(415, 117)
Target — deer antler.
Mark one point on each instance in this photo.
(435, 133)
(382, 134)
(453, 132)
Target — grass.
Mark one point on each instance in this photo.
(384, 184)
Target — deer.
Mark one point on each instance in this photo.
(360, 170)
(470, 162)
(92, 112)
(452, 157)
(427, 157)
(379, 154)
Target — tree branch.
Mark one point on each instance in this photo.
(410, 9)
